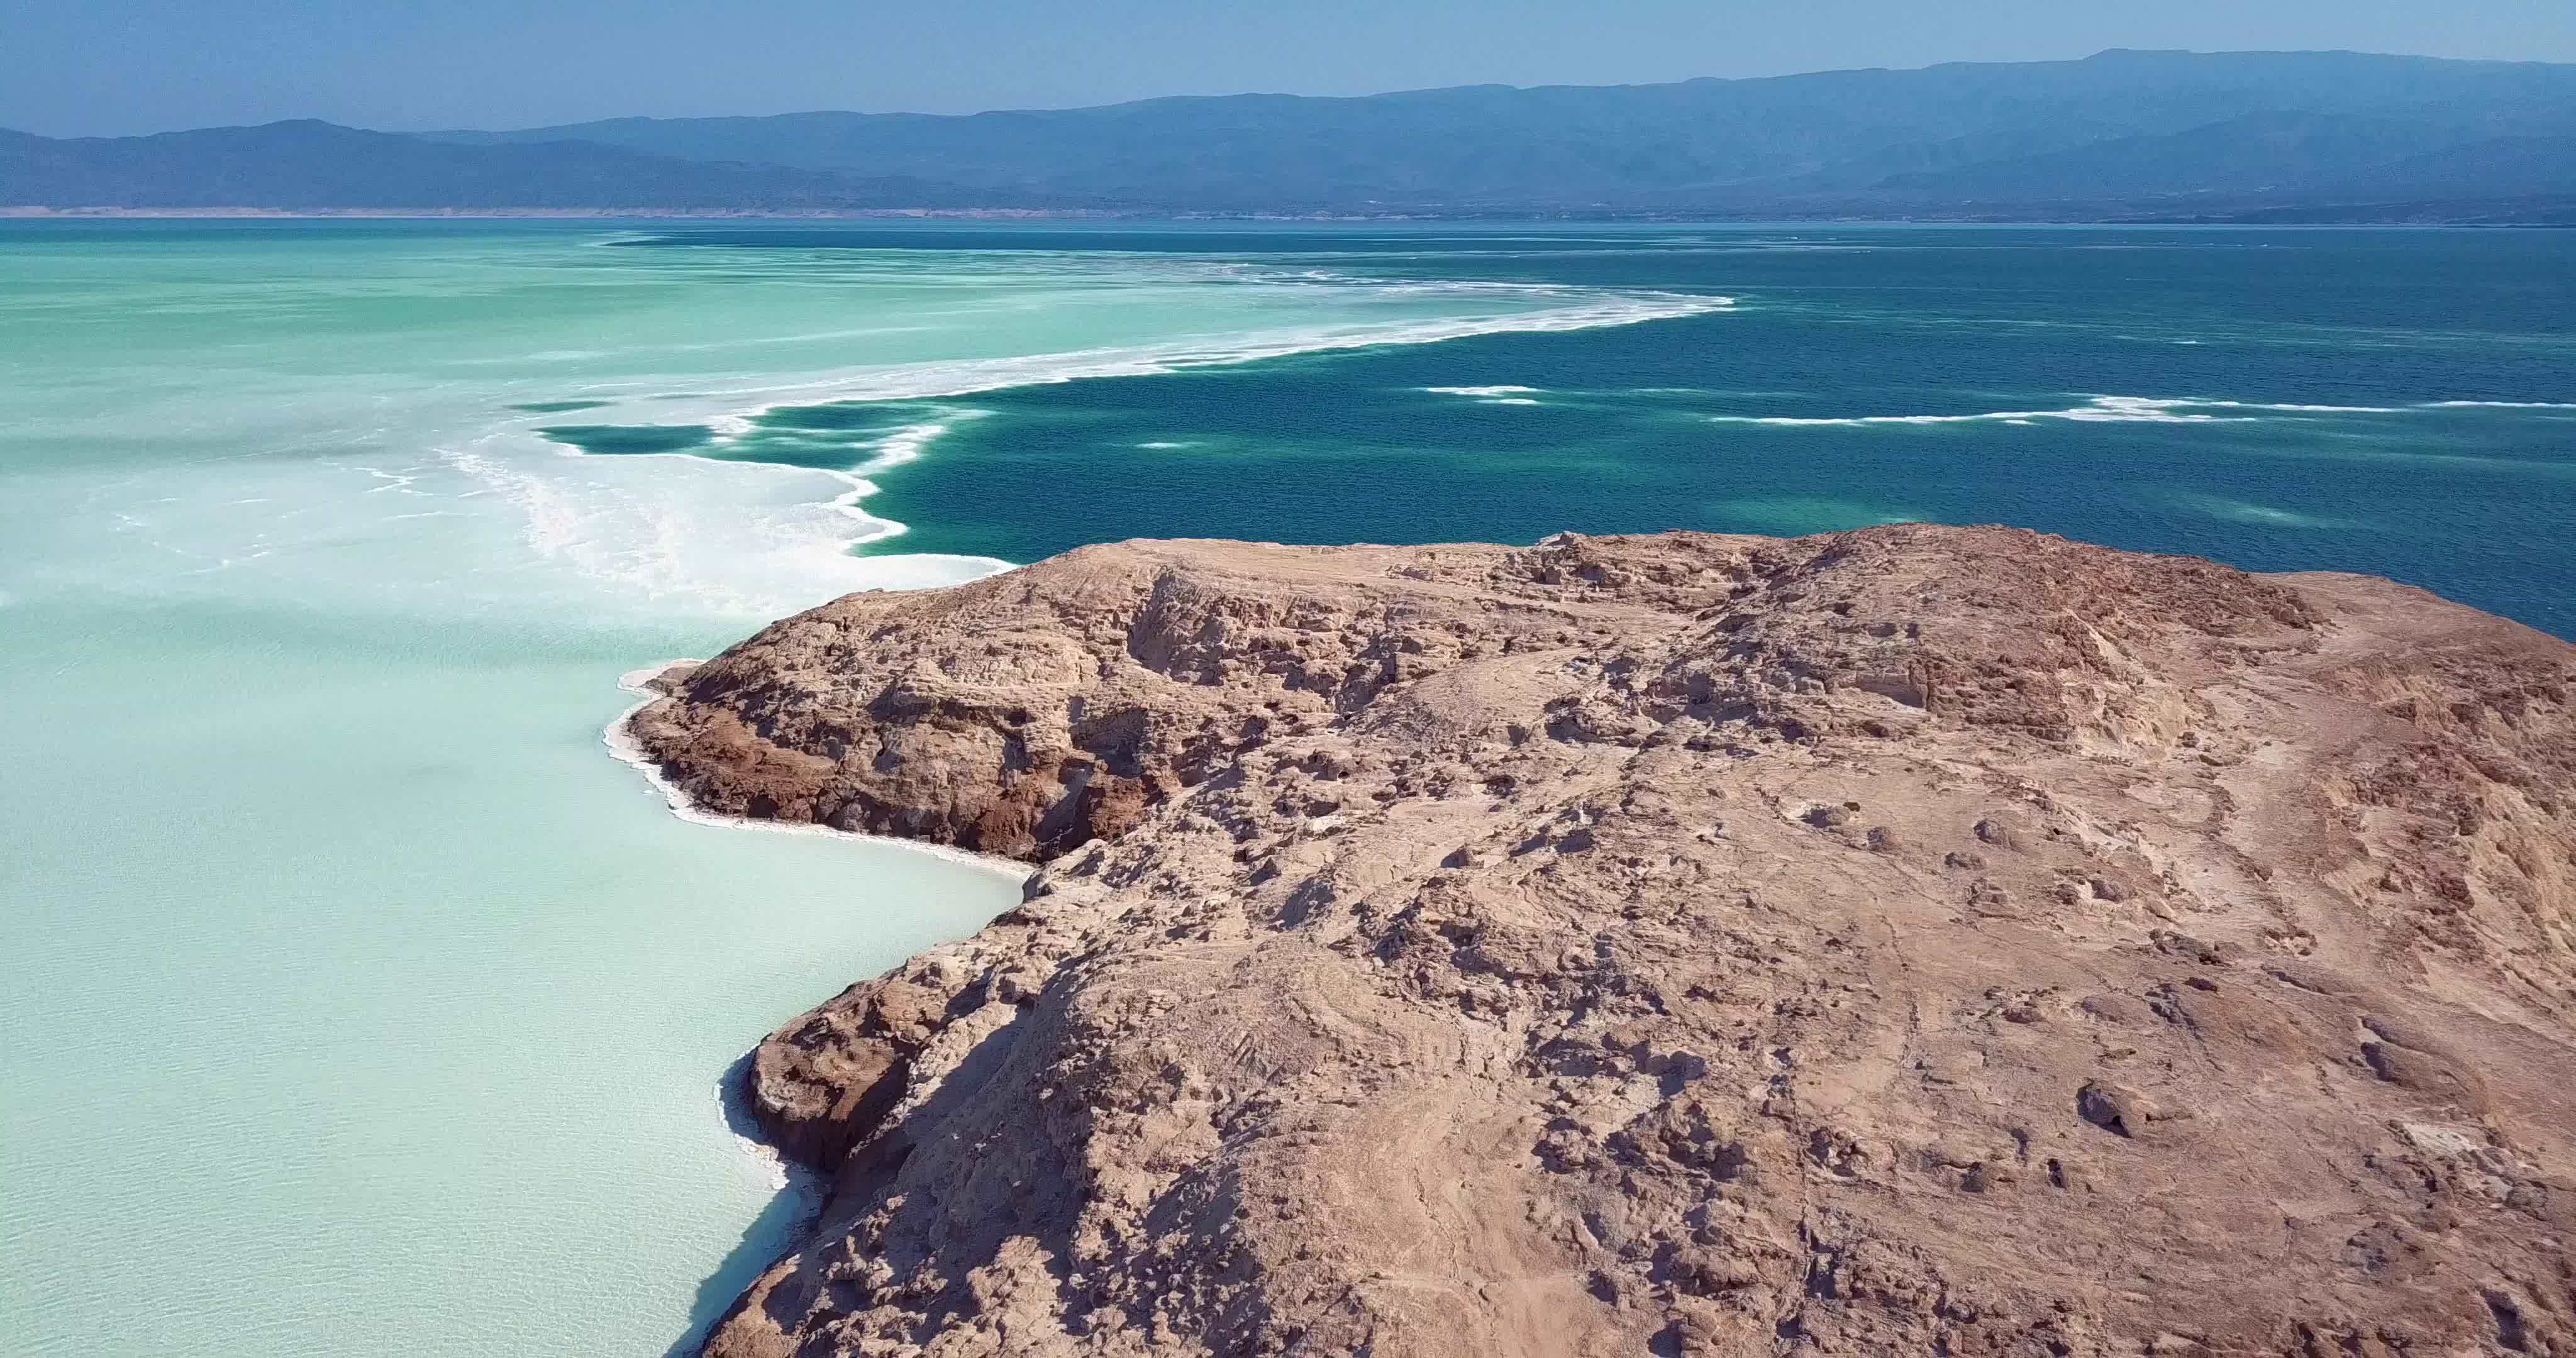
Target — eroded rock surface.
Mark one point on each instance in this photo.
(1915, 940)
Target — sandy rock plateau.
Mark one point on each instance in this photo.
(1908, 941)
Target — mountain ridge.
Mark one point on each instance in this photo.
(2120, 134)
(306, 163)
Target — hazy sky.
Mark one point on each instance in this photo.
(120, 66)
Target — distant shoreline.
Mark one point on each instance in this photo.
(518, 213)
(2266, 218)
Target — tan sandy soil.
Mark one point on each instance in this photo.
(1909, 941)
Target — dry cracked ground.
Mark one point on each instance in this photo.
(1909, 941)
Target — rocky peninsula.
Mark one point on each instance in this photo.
(1915, 940)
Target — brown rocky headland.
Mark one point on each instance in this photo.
(1915, 940)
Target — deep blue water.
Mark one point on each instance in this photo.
(2131, 387)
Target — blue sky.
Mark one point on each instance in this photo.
(103, 67)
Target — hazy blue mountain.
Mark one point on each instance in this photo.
(2117, 127)
(2540, 164)
(2252, 153)
(2120, 134)
(307, 164)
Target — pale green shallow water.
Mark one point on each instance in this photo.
(356, 1001)
(356, 994)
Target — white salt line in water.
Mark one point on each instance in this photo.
(563, 518)
(2098, 412)
(1579, 310)
(784, 1175)
(558, 527)
(2115, 409)
(2099, 409)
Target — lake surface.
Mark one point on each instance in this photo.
(2401, 402)
(357, 1000)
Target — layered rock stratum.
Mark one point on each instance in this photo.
(1909, 941)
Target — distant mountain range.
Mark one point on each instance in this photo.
(315, 166)
(2121, 135)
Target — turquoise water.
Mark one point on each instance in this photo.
(359, 1002)
(2399, 401)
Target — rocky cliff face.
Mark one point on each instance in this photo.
(1915, 940)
